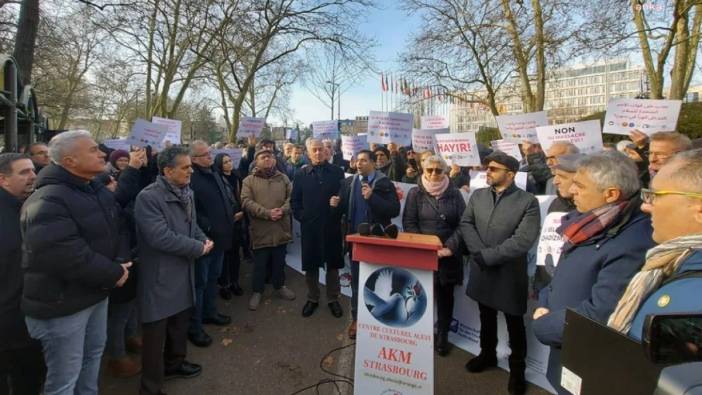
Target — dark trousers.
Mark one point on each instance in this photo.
(333, 285)
(22, 370)
(354, 289)
(263, 258)
(165, 343)
(444, 304)
(230, 267)
(207, 271)
(488, 333)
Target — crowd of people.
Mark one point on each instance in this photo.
(126, 252)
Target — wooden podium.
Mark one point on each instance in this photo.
(395, 336)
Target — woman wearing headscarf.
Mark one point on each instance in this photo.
(229, 279)
(435, 207)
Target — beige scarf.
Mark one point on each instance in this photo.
(661, 262)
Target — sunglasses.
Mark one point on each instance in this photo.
(493, 169)
(436, 171)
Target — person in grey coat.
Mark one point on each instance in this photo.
(169, 242)
(499, 227)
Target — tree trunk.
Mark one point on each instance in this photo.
(26, 38)
(519, 57)
(539, 41)
(679, 69)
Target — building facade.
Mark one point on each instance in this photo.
(571, 94)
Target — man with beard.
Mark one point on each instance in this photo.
(499, 226)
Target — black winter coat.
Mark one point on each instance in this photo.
(73, 239)
(321, 227)
(421, 216)
(215, 214)
(12, 327)
(383, 204)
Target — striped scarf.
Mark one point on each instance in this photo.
(661, 262)
(583, 227)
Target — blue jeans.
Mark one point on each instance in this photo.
(207, 271)
(72, 347)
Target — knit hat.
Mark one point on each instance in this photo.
(116, 155)
(505, 160)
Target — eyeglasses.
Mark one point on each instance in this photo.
(436, 171)
(649, 195)
(493, 169)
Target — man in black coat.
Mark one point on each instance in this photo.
(499, 227)
(215, 216)
(313, 188)
(20, 357)
(75, 250)
(370, 197)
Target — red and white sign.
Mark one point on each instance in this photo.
(521, 127)
(648, 116)
(390, 127)
(458, 148)
(434, 122)
(587, 135)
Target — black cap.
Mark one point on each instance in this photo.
(505, 160)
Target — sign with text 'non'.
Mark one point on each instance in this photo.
(586, 135)
(390, 127)
(394, 342)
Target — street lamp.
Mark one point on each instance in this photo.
(335, 86)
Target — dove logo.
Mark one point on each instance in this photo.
(395, 297)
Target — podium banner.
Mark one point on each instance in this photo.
(394, 342)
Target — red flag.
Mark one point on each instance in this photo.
(383, 87)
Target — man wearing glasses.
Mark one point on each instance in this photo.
(660, 149)
(670, 279)
(39, 154)
(606, 239)
(215, 216)
(499, 226)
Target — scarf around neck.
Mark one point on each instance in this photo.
(265, 173)
(184, 195)
(583, 227)
(435, 188)
(662, 262)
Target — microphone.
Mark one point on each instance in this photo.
(364, 180)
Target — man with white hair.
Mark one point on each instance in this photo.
(75, 251)
(606, 239)
(553, 153)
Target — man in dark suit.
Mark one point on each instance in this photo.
(313, 188)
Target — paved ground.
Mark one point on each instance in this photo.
(276, 351)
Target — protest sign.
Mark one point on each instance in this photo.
(521, 127)
(325, 129)
(434, 122)
(394, 345)
(478, 179)
(508, 147)
(586, 135)
(647, 116)
(174, 129)
(117, 144)
(291, 134)
(424, 140)
(350, 145)
(550, 242)
(234, 153)
(390, 127)
(249, 126)
(458, 148)
(146, 133)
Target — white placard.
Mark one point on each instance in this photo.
(234, 153)
(117, 144)
(587, 135)
(521, 127)
(648, 116)
(570, 381)
(478, 179)
(390, 127)
(350, 145)
(174, 129)
(395, 337)
(291, 134)
(434, 122)
(146, 133)
(325, 129)
(550, 242)
(508, 147)
(424, 140)
(249, 126)
(458, 148)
